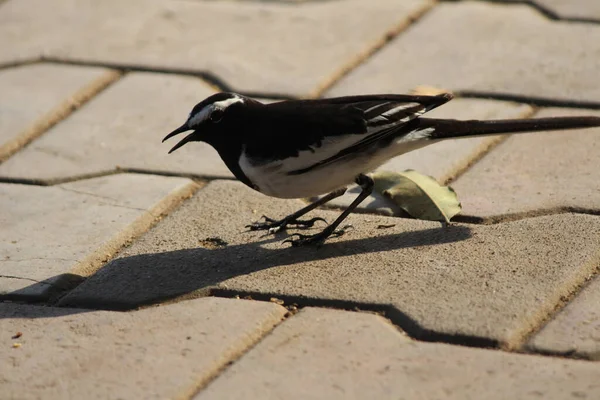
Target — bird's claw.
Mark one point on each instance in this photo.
(317, 239)
(273, 226)
(305, 240)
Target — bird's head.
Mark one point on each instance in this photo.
(206, 118)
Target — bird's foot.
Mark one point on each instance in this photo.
(317, 239)
(274, 226)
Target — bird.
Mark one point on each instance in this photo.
(307, 148)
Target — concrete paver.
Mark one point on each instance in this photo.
(34, 96)
(485, 47)
(54, 235)
(341, 355)
(231, 40)
(572, 9)
(122, 128)
(534, 173)
(576, 329)
(442, 160)
(492, 282)
(157, 353)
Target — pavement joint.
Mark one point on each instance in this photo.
(58, 114)
(146, 221)
(25, 279)
(220, 85)
(109, 250)
(501, 219)
(545, 11)
(201, 385)
(530, 100)
(208, 77)
(564, 302)
(481, 152)
(404, 324)
(20, 63)
(116, 171)
(399, 319)
(364, 55)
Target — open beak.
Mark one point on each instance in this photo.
(177, 131)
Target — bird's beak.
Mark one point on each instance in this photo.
(177, 131)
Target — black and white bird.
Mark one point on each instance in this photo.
(305, 148)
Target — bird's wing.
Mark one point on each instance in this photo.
(308, 132)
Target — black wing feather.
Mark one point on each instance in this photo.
(285, 128)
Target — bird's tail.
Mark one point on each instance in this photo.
(449, 128)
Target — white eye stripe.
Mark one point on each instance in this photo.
(223, 104)
(204, 114)
(200, 117)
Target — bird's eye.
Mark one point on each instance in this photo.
(216, 115)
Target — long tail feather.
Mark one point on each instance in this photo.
(448, 128)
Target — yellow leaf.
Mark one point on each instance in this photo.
(417, 194)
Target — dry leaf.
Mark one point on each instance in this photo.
(417, 194)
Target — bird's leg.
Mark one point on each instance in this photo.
(275, 226)
(366, 184)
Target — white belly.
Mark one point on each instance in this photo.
(274, 180)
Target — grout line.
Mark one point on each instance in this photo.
(501, 219)
(116, 171)
(56, 181)
(19, 63)
(531, 100)
(107, 251)
(461, 218)
(367, 53)
(396, 317)
(545, 11)
(209, 78)
(219, 84)
(400, 320)
(58, 114)
(481, 152)
(519, 343)
(233, 358)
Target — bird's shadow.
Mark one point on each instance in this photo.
(129, 282)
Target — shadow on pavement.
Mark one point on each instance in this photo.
(130, 282)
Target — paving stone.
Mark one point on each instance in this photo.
(54, 235)
(157, 353)
(363, 356)
(122, 128)
(536, 172)
(258, 46)
(486, 47)
(588, 10)
(576, 329)
(34, 96)
(442, 160)
(495, 282)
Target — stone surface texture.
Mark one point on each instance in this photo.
(342, 355)
(490, 282)
(33, 96)
(535, 173)
(502, 303)
(51, 233)
(576, 329)
(486, 47)
(122, 128)
(157, 353)
(210, 36)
